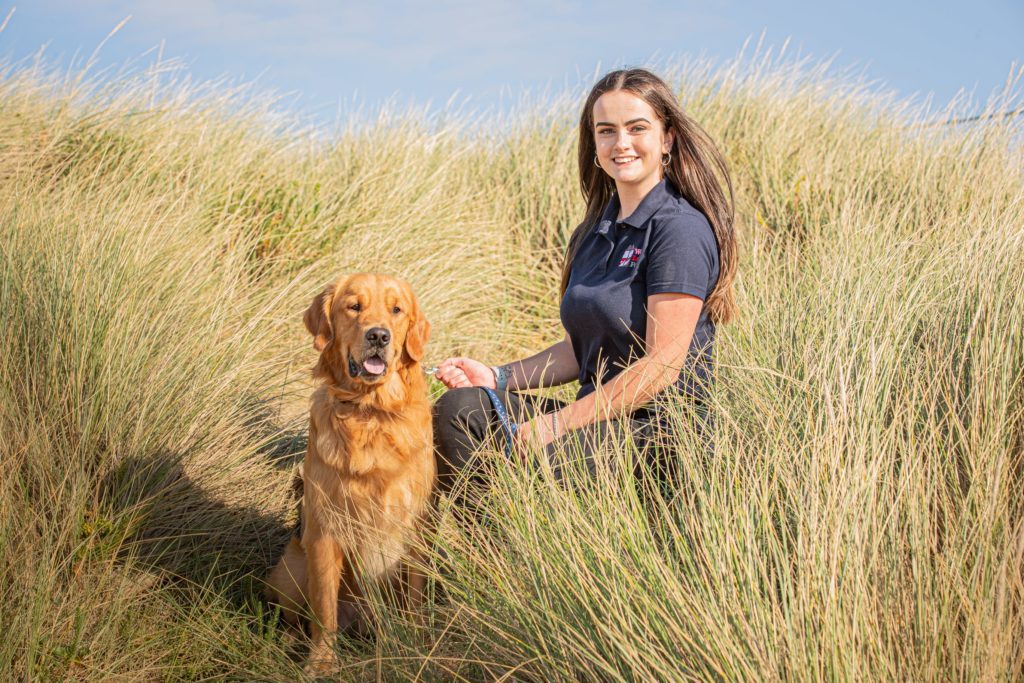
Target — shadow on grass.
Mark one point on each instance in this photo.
(211, 547)
(208, 548)
(282, 445)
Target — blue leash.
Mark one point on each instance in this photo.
(507, 425)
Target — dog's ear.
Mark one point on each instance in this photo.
(418, 334)
(318, 318)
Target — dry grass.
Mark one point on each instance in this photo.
(862, 517)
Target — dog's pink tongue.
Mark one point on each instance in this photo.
(374, 365)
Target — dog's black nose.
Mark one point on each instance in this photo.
(378, 335)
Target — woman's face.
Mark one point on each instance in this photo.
(630, 141)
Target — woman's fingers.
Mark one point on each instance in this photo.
(521, 441)
(464, 372)
(452, 372)
(443, 368)
(451, 376)
(447, 370)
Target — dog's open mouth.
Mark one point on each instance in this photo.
(373, 366)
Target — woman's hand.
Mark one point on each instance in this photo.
(464, 372)
(536, 433)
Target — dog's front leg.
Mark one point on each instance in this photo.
(325, 559)
(417, 580)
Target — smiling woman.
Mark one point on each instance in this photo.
(630, 147)
(648, 274)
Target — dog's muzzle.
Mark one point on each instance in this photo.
(373, 364)
(372, 367)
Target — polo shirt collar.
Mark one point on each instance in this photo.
(654, 200)
(657, 196)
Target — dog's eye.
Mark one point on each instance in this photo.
(355, 307)
(396, 310)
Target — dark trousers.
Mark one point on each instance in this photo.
(465, 419)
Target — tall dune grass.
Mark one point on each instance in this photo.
(862, 516)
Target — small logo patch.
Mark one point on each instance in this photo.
(630, 257)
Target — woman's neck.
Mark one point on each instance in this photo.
(631, 195)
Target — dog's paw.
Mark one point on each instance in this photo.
(322, 663)
(320, 669)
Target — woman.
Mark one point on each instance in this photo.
(647, 276)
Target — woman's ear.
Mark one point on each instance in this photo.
(318, 318)
(670, 138)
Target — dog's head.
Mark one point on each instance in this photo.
(365, 327)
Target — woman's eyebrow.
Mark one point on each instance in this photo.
(631, 121)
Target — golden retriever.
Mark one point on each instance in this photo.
(369, 470)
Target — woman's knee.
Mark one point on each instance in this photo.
(460, 425)
(458, 404)
(458, 414)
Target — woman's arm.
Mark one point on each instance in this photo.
(671, 321)
(553, 366)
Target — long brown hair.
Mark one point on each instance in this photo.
(694, 170)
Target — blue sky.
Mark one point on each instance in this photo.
(329, 55)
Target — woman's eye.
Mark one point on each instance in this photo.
(396, 310)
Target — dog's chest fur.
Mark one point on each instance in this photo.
(373, 483)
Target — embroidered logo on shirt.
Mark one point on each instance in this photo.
(630, 257)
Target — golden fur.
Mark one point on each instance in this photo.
(369, 469)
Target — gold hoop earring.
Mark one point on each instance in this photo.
(596, 162)
(667, 159)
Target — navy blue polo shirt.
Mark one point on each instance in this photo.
(666, 245)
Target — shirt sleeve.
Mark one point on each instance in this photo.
(682, 256)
